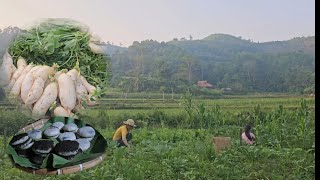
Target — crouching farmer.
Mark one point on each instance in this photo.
(122, 135)
(248, 136)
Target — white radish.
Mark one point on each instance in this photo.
(48, 81)
(95, 38)
(6, 69)
(16, 89)
(60, 111)
(27, 83)
(91, 89)
(81, 91)
(40, 76)
(21, 64)
(73, 73)
(57, 74)
(67, 92)
(17, 73)
(35, 91)
(13, 68)
(48, 97)
(95, 48)
(11, 83)
(44, 72)
(88, 86)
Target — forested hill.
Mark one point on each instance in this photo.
(223, 60)
(225, 46)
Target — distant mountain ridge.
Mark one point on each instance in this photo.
(224, 44)
(112, 49)
(302, 44)
(219, 43)
(223, 37)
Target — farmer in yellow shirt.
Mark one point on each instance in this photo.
(122, 134)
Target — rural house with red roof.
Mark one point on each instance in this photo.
(204, 84)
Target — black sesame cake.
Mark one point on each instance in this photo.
(67, 148)
(26, 145)
(43, 146)
(24, 152)
(19, 139)
(37, 159)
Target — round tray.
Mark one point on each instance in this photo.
(66, 170)
(35, 125)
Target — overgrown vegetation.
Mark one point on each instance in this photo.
(177, 144)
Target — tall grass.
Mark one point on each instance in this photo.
(177, 144)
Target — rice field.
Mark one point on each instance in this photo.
(174, 138)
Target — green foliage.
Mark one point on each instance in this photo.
(188, 154)
(303, 116)
(205, 92)
(64, 43)
(163, 148)
(223, 60)
(202, 115)
(189, 109)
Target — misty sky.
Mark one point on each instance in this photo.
(126, 21)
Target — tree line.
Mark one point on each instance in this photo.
(223, 60)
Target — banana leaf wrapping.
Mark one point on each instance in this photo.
(53, 161)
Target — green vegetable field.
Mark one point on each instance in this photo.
(174, 138)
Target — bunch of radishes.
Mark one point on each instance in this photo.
(39, 88)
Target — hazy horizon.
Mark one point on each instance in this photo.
(162, 20)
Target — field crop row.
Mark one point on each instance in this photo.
(176, 143)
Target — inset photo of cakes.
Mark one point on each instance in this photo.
(59, 142)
